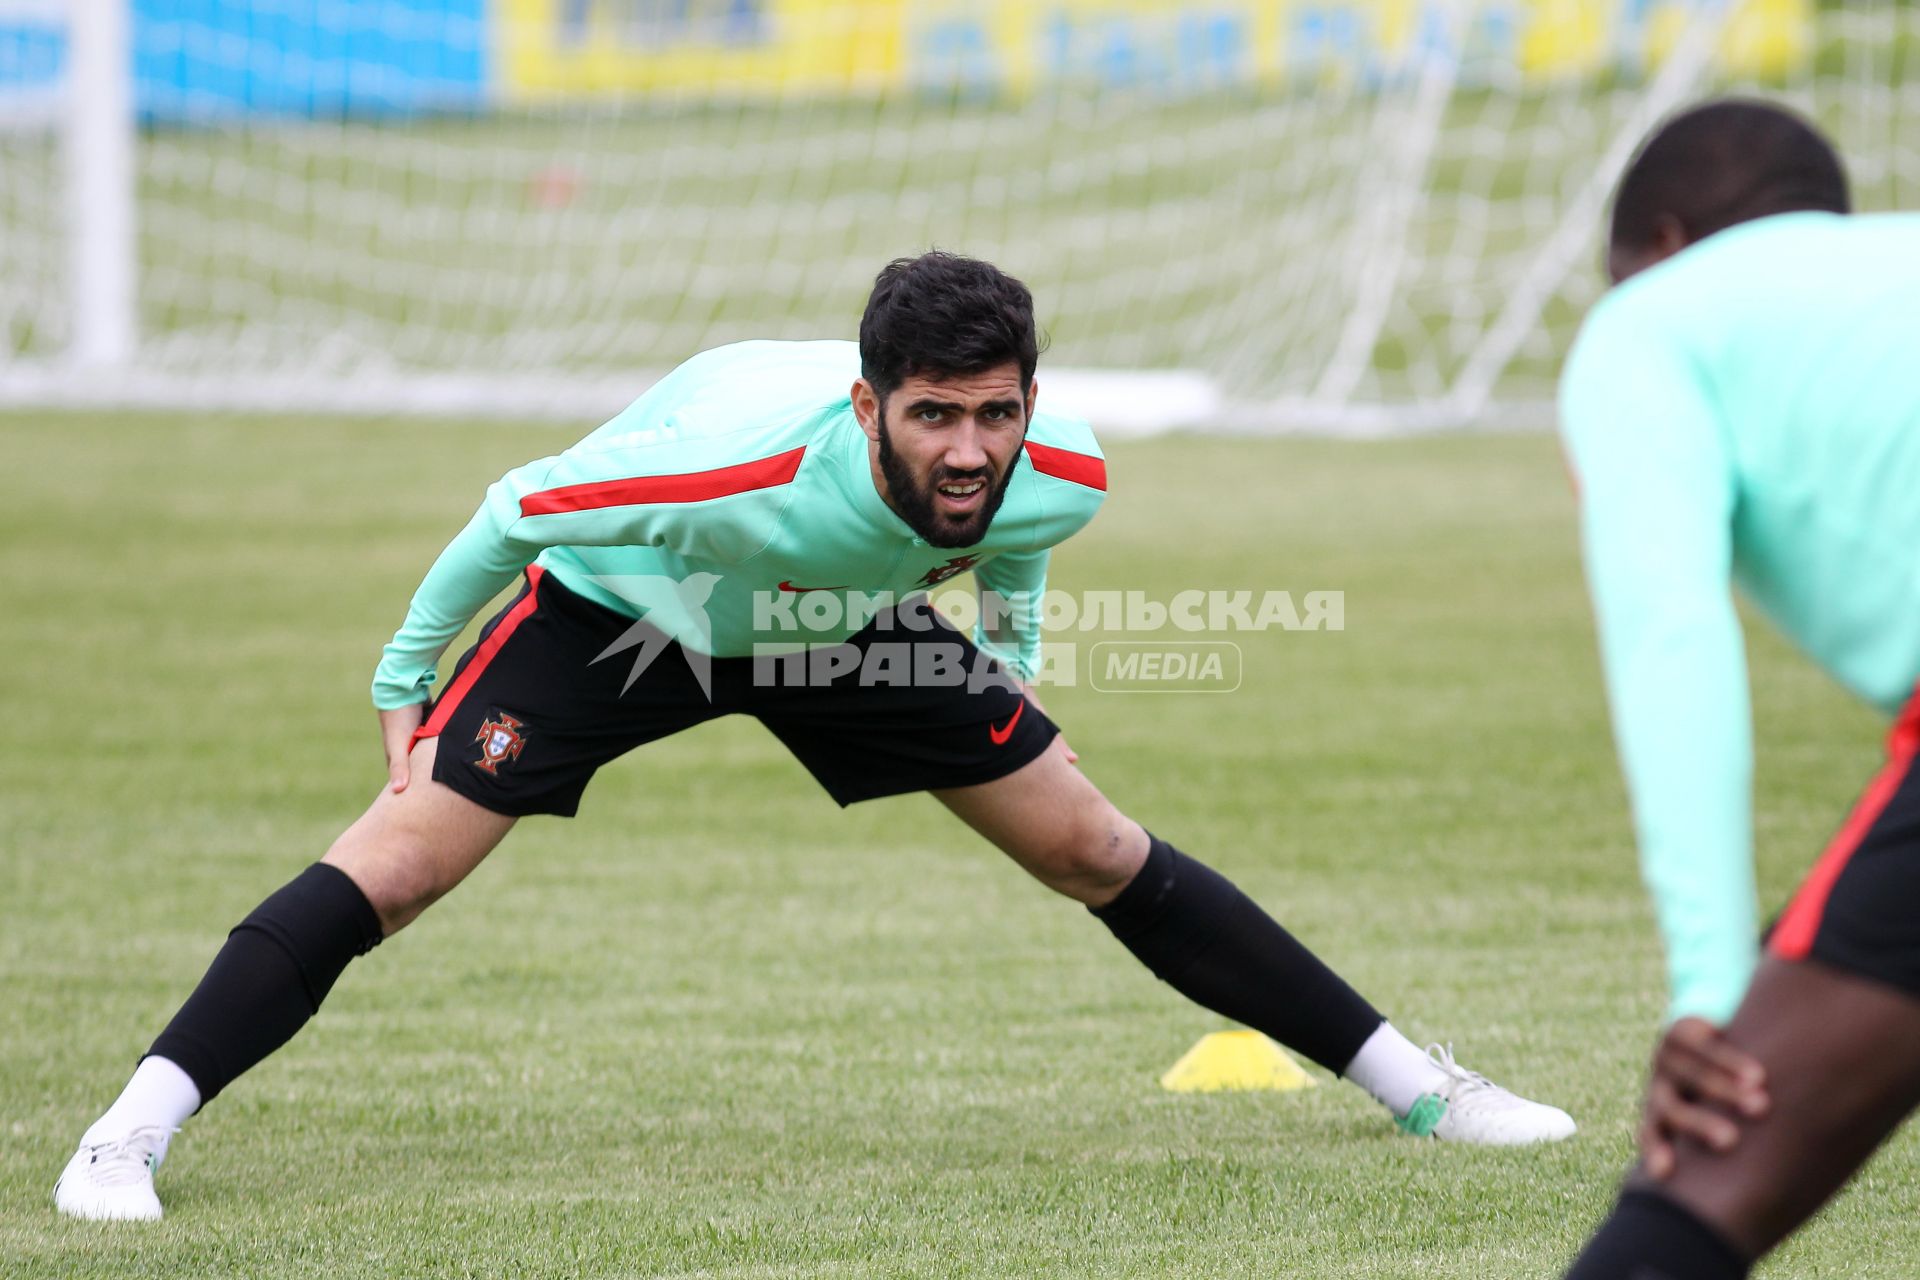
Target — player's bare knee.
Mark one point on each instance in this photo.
(1747, 1198)
(1091, 857)
(396, 871)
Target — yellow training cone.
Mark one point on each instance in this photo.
(1235, 1060)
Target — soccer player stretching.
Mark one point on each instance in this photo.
(1745, 407)
(757, 485)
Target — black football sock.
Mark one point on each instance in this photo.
(1649, 1237)
(1215, 946)
(276, 967)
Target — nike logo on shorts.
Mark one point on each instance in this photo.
(1001, 733)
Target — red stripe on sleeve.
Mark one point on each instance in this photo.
(1065, 464)
(450, 700)
(1793, 936)
(693, 486)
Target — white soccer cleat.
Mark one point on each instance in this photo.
(113, 1181)
(1472, 1108)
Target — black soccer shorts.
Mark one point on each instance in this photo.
(908, 704)
(1859, 908)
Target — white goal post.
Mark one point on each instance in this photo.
(98, 172)
(1351, 216)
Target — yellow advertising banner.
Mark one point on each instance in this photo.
(768, 48)
(547, 48)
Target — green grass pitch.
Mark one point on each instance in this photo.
(716, 1027)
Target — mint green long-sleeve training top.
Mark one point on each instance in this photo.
(745, 473)
(1747, 412)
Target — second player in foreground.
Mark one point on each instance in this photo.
(752, 499)
(1745, 408)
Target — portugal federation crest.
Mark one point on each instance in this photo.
(951, 569)
(500, 741)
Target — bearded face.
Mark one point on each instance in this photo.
(945, 448)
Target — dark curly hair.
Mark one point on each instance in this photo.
(1722, 163)
(944, 314)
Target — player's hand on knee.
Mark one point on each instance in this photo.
(1700, 1082)
(396, 734)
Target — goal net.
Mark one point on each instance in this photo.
(1346, 215)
